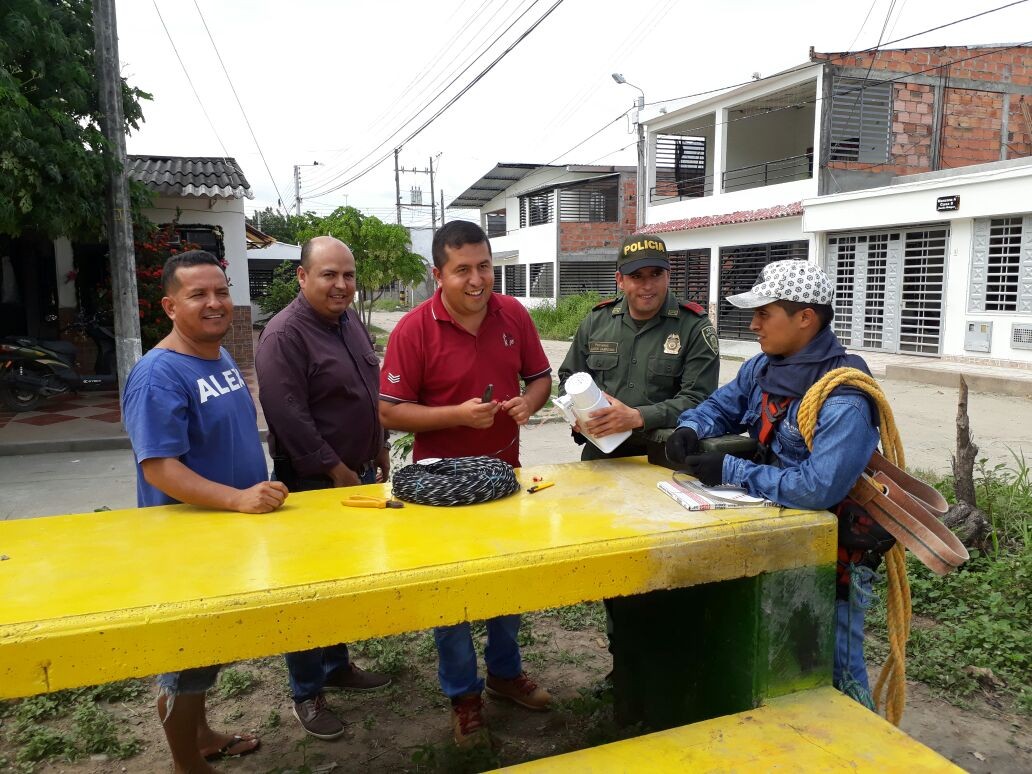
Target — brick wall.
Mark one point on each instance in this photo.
(973, 119)
(971, 132)
(581, 237)
(240, 339)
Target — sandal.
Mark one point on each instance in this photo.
(247, 744)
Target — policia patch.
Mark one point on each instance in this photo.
(710, 337)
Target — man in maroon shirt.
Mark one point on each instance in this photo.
(318, 383)
(440, 359)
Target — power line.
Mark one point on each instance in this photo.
(225, 153)
(411, 95)
(841, 54)
(240, 104)
(455, 98)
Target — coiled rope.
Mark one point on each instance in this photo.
(890, 690)
(455, 481)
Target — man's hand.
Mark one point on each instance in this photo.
(341, 475)
(616, 418)
(708, 467)
(478, 415)
(261, 498)
(681, 443)
(383, 465)
(518, 409)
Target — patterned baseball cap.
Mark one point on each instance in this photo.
(787, 281)
(637, 252)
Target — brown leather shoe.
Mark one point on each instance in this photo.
(520, 690)
(317, 719)
(468, 726)
(352, 678)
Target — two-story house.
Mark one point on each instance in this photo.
(904, 173)
(554, 230)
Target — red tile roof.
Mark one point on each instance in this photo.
(742, 216)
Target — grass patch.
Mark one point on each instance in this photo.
(560, 320)
(389, 654)
(235, 682)
(584, 615)
(981, 619)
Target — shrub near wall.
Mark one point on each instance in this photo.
(559, 321)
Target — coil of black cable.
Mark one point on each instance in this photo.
(454, 481)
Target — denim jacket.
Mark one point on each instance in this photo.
(843, 441)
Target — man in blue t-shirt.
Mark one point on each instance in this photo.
(194, 432)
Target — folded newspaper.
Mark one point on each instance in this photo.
(697, 497)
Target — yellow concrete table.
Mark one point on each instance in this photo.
(96, 597)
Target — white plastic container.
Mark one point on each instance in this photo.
(581, 399)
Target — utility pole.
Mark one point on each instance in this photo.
(397, 185)
(122, 256)
(297, 190)
(433, 202)
(297, 185)
(641, 195)
(442, 208)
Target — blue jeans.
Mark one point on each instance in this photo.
(457, 660)
(308, 669)
(849, 632)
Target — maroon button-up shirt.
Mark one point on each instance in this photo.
(318, 384)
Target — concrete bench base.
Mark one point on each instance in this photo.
(817, 730)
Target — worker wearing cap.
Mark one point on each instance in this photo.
(652, 354)
(792, 313)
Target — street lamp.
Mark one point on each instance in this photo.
(297, 185)
(639, 104)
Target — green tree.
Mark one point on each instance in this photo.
(52, 172)
(282, 290)
(381, 251)
(284, 228)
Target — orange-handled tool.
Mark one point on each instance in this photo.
(363, 501)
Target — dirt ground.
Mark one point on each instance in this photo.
(406, 727)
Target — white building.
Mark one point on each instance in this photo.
(841, 161)
(553, 222)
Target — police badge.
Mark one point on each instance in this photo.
(672, 345)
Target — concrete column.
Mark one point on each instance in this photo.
(64, 263)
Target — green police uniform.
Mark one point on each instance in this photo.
(666, 366)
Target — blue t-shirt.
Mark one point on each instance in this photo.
(198, 411)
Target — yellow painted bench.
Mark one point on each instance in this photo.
(90, 598)
(819, 730)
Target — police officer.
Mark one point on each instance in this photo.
(654, 356)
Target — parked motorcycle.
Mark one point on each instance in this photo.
(34, 369)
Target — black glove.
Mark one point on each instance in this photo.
(682, 442)
(708, 467)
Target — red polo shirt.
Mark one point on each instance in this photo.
(434, 361)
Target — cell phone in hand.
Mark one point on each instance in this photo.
(488, 392)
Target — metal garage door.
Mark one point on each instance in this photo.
(889, 288)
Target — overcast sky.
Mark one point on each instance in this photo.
(341, 82)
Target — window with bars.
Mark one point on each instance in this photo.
(495, 222)
(689, 275)
(681, 168)
(587, 276)
(861, 114)
(843, 254)
(516, 279)
(739, 268)
(258, 281)
(594, 201)
(875, 290)
(537, 209)
(497, 279)
(1004, 265)
(923, 278)
(542, 280)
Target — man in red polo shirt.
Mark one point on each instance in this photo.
(440, 359)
